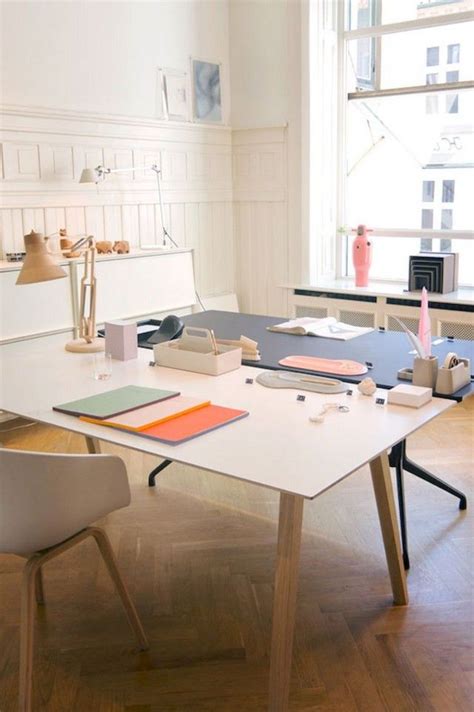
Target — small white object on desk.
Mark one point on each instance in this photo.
(367, 387)
(121, 340)
(411, 396)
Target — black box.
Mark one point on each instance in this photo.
(437, 271)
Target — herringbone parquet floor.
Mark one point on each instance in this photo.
(198, 554)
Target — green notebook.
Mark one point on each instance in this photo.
(120, 400)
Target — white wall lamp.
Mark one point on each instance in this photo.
(98, 175)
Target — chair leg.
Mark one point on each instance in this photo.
(27, 624)
(39, 587)
(108, 555)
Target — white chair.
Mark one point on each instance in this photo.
(47, 503)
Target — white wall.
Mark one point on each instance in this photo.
(259, 62)
(103, 56)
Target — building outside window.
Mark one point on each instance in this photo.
(407, 158)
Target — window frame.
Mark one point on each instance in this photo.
(377, 32)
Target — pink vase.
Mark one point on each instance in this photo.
(362, 256)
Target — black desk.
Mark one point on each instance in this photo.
(387, 351)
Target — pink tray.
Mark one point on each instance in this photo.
(341, 367)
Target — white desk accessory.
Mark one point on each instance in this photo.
(338, 407)
(367, 387)
(286, 379)
(198, 351)
(411, 396)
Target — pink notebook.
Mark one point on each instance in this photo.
(143, 418)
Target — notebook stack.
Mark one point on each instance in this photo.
(161, 415)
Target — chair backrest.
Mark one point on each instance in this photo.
(46, 498)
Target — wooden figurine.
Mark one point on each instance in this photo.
(122, 247)
(65, 244)
(104, 247)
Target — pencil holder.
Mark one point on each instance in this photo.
(425, 371)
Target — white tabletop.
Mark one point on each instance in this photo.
(275, 446)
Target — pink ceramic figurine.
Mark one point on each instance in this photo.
(362, 256)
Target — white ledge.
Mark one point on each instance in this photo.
(464, 295)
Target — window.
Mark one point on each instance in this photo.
(453, 53)
(427, 219)
(448, 191)
(428, 191)
(446, 219)
(432, 56)
(452, 103)
(407, 157)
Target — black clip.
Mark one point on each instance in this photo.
(381, 328)
(450, 338)
(300, 397)
(369, 365)
(152, 363)
(380, 401)
(249, 380)
(348, 392)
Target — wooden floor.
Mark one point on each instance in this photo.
(198, 553)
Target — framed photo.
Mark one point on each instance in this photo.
(173, 93)
(206, 91)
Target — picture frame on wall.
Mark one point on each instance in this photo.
(173, 94)
(206, 81)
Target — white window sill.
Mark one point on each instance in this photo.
(464, 295)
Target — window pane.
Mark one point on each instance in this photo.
(445, 245)
(427, 219)
(411, 58)
(452, 103)
(453, 53)
(446, 219)
(448, 191)
(428, 191)
(431, 104)
(432, 56)
(451, 76)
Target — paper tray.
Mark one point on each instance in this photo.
(195, 352)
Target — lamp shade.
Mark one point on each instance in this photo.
(39, 265)
(89, 175)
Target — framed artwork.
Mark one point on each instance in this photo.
(206, 91)
(173, 95)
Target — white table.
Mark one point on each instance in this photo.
(276, 447)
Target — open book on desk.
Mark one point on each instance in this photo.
(328, 328)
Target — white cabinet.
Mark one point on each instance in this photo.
(128, 286)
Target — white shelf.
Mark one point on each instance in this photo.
(464, 295)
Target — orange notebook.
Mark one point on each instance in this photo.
(189, 426)
(143, 418)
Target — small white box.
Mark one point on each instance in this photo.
(411, 396)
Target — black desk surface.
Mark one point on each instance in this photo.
(388, 351)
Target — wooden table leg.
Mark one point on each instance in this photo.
(382, 484)
(284, 599)
(93, 445)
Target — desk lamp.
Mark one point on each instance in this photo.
(99, 173)
(40, 266)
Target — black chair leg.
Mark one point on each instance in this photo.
(156, 471)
